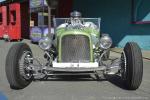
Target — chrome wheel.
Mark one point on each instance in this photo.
(123, 65)
(24, 65)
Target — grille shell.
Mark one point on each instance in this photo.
(75, 48)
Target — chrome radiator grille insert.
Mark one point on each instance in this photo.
(75, 48)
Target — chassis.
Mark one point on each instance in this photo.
(22, 68)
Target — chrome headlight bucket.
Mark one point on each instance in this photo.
(105, 41)
(45, 43)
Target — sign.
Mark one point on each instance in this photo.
(37, 3)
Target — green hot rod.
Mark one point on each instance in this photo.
(76, 48)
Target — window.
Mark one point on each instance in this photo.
(141, 11)
(1, 18)
(13, 17)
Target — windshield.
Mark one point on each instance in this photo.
(77, 23)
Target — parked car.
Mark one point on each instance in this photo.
(77, 47)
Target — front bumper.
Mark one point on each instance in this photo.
(76, 67)
(73, 69)
(81, 69)
(67, 69)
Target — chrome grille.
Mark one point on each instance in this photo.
(75, 48)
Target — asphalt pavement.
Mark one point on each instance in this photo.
(71, 88)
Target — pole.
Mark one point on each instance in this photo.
(49, 21)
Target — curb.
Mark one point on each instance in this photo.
(120, 53)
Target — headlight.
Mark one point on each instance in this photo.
(105, 41)
(45, 43)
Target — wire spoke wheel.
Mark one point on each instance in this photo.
(24, 65)
(17, 66)
(123, 65)
(132, 66)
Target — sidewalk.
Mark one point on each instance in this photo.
(145, 53)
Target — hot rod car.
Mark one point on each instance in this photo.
(76, 48)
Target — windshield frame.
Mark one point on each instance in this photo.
(65, 20)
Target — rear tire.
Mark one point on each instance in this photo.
(134, 66)
(14, 77)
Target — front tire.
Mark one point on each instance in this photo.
(15, 79)
(134, 66)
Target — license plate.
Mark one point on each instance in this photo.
(75, 65)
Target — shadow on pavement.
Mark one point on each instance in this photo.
(116, 80)
(72, 78)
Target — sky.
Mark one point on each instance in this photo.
(2, 0)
